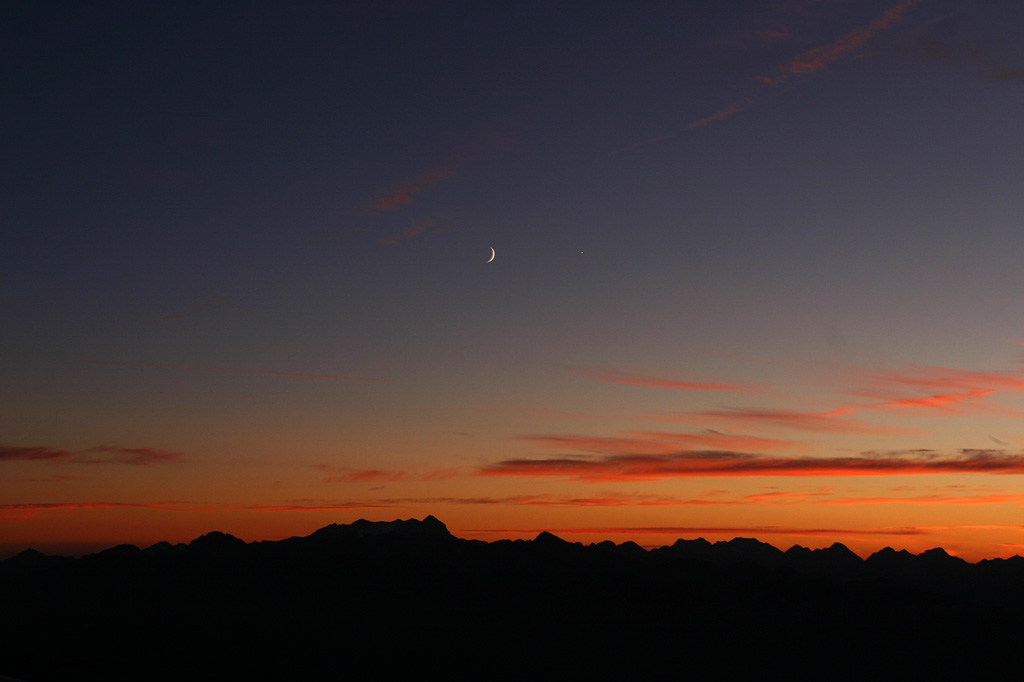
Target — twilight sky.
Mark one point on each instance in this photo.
(758, 270)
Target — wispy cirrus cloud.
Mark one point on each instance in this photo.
(101, 454)
(941, 389)
(914, 391)
(653, 467)
(808, 62)
(402, 194)
(942, 401)
(948, 378)
(821, 57)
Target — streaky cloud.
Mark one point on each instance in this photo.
(709, 530)
(811, 61)
(719, 115)
(716, 463)
(403, 193)
(661, 443)
(833, 421)
(944, 401)
(938, 388)
(101, 454)
(821, 57)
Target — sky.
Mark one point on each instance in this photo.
(757, 271)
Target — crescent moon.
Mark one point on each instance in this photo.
(492, 255)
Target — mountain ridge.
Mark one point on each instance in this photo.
(736, 550)
(406, 596)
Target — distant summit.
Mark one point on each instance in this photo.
(430, 526)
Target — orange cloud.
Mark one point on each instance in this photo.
(402, 194)
(945, 378)
(942, 388)
(944, 401)
(652, 467)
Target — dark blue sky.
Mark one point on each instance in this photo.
(254, 235)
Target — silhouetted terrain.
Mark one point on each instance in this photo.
(407, 597)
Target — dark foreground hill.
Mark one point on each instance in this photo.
(379, 600)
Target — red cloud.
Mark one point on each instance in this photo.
(650, 467)
(402, 194)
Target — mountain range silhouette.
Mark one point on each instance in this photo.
(407, 597)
